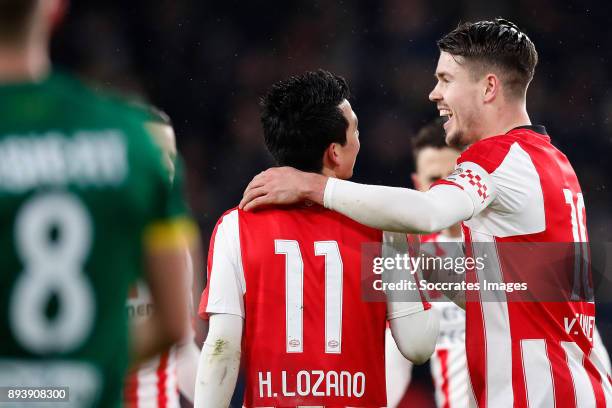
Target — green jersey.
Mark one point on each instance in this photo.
(83, 191)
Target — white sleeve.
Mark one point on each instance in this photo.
(416, 335)
(186, 351)
(227, 285)
(414, 328)
(479, 185)
(412, 301)
(219, 362)
(399, 209)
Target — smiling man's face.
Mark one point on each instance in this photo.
(457, 95)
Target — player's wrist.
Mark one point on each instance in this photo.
(314, 187)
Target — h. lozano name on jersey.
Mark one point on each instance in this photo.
(314, 383)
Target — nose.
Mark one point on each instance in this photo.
(435, 95)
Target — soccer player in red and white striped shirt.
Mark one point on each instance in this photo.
(292, 276)
(511, 187)
(434, 160)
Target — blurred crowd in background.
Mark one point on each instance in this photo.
(207, 63)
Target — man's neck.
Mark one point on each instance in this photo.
(23, 64)
(328, 172)
(505, 119)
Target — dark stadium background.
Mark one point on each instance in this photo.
(206, 63)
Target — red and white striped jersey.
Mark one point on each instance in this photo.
(528, 353)
(295, 275)
(153, 384)
(448, 364)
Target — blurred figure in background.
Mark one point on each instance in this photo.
(162, 380)
(88, 209)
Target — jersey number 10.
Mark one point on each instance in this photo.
(581, 258)
(294, 293)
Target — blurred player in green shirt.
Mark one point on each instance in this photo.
(87, 207)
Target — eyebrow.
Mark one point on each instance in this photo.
(442, 74)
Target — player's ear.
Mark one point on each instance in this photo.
(331, 157)
(490, 88)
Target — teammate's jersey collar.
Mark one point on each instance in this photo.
(534, 128)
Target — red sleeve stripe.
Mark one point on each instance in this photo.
(413, 247)
(162, 377)
(446, 183)
(426, 304)
(130, 390)
(443, 358)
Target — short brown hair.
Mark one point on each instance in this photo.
(498, 43)
(430, 135)
(15, 16)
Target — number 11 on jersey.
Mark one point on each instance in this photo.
(294, 293)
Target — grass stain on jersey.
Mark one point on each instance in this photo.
(220, 345)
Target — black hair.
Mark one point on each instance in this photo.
(498, 43)
(301, 118)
